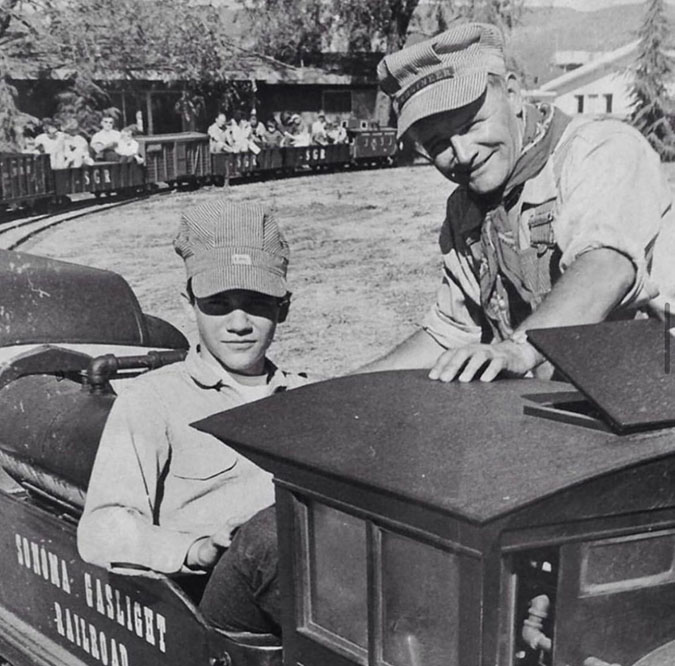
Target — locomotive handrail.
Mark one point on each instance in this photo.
(45, 359)
(102, 368)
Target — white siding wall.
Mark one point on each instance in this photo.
(595, 96)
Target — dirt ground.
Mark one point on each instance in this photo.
(364, 257)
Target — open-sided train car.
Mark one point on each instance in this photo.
(519, 523)
(24, 179)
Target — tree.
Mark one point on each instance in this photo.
(652, 70)
(95, 43)
(295, 30)
(17, 31)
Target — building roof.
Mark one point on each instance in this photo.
(596, 68)
(465, 449)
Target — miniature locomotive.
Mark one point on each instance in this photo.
(519, 523)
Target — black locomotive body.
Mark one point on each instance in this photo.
(420, 524)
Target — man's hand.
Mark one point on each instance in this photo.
(203, 554)
(464, 363)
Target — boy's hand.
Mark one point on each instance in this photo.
(203, 554)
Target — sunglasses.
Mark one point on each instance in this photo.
(258, 305)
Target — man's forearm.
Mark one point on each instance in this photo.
(420, 350)
(587, 292)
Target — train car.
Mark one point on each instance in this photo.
(25, 179)
(100, 178)
(176, 158)
(316, 157)
(519, 523)
(373, 146)
(65, 351)
(233, 166)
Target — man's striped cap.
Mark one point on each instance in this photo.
(228, 245)
(443, 73)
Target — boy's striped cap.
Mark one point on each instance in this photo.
(443, 73)
(228, 245)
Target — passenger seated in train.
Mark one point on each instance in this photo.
(127, 147)
(165, 496)
(49, 141)
(74, 149)
(218, 138)
(297, 134)
(273, 136)
(319, 135)
(257, 132)
(104, 142)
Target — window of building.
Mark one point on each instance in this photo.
(337, 101)
(580, 103)
(608, 103)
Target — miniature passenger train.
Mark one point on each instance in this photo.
(179, 158)
(420, 523)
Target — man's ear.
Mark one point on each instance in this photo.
(514, 93)
(188, 307)
(284, 307)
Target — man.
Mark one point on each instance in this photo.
(319, 130)
(104, 142)
(553, 222)
(164, 496)
(73, 149)
(49, 141)
(127, 147)
(218, 134)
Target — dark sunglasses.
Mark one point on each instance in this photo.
(259, 305)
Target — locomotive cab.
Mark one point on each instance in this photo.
(512, 523)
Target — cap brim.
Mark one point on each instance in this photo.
(445, 95)
(250, 278)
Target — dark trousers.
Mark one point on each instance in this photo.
(243, 592)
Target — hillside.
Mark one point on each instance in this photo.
(546, 30)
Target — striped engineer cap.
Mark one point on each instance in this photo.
(443, 73)
(228, 245)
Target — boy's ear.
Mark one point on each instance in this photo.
(284, 307)
(188, 307)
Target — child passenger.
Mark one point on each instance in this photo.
(165, 496)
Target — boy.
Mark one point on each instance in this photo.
(163, 495)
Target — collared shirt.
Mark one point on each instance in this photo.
(105, 138)
(608, 191)
(218, 137)
(157, 484)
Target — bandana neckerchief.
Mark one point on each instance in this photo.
(544, 125)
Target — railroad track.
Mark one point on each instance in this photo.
(17, 232)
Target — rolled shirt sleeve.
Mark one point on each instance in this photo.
(612, 194)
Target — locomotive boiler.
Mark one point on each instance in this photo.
(519, 523)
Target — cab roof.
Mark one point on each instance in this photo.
(49, 301)
(467, 449)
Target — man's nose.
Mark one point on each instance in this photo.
(463, 149)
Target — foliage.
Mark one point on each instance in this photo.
(17, 32)
(295, 30)
(652, 71)
(86, 102)
(173, 39)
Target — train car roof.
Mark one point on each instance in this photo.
(468, 449)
